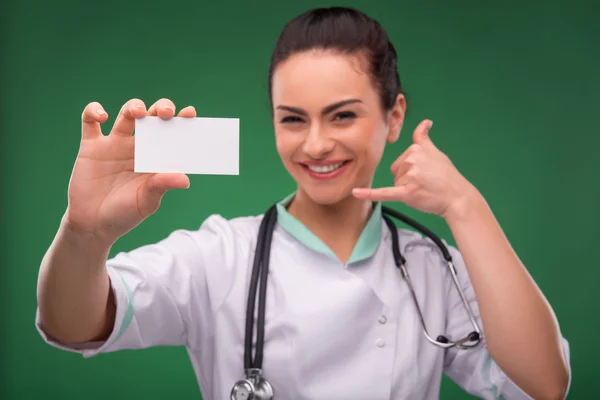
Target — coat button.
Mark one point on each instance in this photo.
(380, 343)
(382, 319)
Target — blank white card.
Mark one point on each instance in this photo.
(208, 146)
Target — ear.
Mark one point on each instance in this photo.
(396, 118)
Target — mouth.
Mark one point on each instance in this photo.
(324, 172)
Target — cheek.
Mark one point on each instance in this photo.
(286, 145)
(371, 141)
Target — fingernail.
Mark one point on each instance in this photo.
(100, 111)
(139, 106)
(169, 108)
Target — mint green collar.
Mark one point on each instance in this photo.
(365, 247)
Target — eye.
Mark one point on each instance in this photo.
(291, 119)
(344, 115)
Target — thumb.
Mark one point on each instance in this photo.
(155, 187)
(421, 133)
(162, 182)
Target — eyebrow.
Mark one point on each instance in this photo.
(325, 110)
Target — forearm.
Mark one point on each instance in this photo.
(74, 296)
(520, 328)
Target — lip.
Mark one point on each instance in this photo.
(328, 175)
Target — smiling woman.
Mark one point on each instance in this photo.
(331, 131)
(336, 320)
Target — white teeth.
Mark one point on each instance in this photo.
(323, 169)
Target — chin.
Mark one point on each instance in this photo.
(326, 189)
(327, 195)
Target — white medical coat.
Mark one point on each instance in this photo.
(333, 331)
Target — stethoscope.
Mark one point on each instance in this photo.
(255, 386)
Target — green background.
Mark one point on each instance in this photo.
(512, 88)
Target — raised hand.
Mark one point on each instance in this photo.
(106, 198)
(424, 178)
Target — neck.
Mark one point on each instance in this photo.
(338, 225)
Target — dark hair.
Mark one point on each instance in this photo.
(348, 31)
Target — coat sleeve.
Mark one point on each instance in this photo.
(474, 370)
(161, 290)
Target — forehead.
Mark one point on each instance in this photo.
(318, 78)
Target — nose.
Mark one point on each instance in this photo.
(317, 144)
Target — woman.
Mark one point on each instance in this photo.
(340, 322)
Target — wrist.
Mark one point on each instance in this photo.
(467, 203)
(89, 239)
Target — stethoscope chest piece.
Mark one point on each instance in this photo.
(252, 388)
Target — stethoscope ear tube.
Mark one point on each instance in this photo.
(473, 338)
(424, 230)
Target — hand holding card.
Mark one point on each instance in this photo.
(119, 179)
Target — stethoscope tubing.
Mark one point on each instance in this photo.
(260, 271)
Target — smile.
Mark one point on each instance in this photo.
(323, 169)
(323, 172)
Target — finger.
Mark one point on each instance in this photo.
(163, 108)
(155, 188)
(421, 133)
(91, 118)
(403, 179)
(406, 157)
(401, 172)
(395, 193)
(125, 122)
(187, 112)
